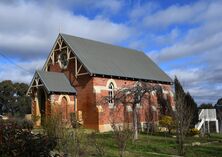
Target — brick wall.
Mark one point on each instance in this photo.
(106, 114)
(85, 97)
(90, 90)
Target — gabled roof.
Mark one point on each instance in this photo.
(54, 82)
(106, 59)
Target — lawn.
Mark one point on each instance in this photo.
(85, 142)
(159, 145)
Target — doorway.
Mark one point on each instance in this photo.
(42, 103)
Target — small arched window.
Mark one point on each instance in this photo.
(64, 106)
(111, 93)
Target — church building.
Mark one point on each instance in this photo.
(78, 72)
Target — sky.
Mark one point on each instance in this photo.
(183, 37)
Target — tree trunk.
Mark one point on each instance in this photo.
(169, 131)
(180, 140)
(135, 124)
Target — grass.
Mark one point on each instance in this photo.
(159, 145)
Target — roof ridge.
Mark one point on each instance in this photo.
(101, 42)
(107, 59)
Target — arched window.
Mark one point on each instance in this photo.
(64, 106)
(111, 93)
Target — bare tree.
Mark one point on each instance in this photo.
(132, 96)
(184, 114)
(122, 134)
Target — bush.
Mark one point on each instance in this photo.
(53, 125)
(70, 142)
(24, 124)
(194, 132)
(74, 122)
(15, 141)
(98, 146)
(27, 124)
(122, 134)
(167, 121)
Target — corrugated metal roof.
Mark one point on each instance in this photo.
(106, 59)
(56, 82)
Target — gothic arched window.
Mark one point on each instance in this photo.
(111, 93)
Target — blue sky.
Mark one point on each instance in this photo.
(183, 37)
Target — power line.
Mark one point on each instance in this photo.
(12, 62)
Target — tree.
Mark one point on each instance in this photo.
(206, 106)
(122, 134)
(193, 105)
(132, 96)
(165, 105)
(219, 102)
(218, 107)
(184, 114)
(13, 98)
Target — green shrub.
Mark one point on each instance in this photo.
(167, 121)
(16, 141)
(53, 126)
(194, 132)
(24, 124)
(69, 141)
(97, 144)
(27, 124)
(74, 121)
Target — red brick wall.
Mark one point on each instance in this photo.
(85, 96)
(58, 104)
(144, 113)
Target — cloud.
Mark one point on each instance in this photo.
(184, 39)
(184, 14)
(168, 38)
(206, 37)
(194, 55)
(29, 29)
(111, 6)
(185, 49)
(186, 75)
(21, 71)
(200, 82)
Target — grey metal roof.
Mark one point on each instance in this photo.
(56, 82)
(107, 59)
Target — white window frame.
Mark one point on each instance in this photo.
(111, 94)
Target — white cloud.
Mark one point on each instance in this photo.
(168, 38)
(194, 55)
(111, 6)
(186, 75)
(205, 38)
(201, 83)
(185, 49)
(21, 71)
(30, 28)
(184, 14)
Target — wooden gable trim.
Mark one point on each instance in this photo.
(35, 83)
(51, 57)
